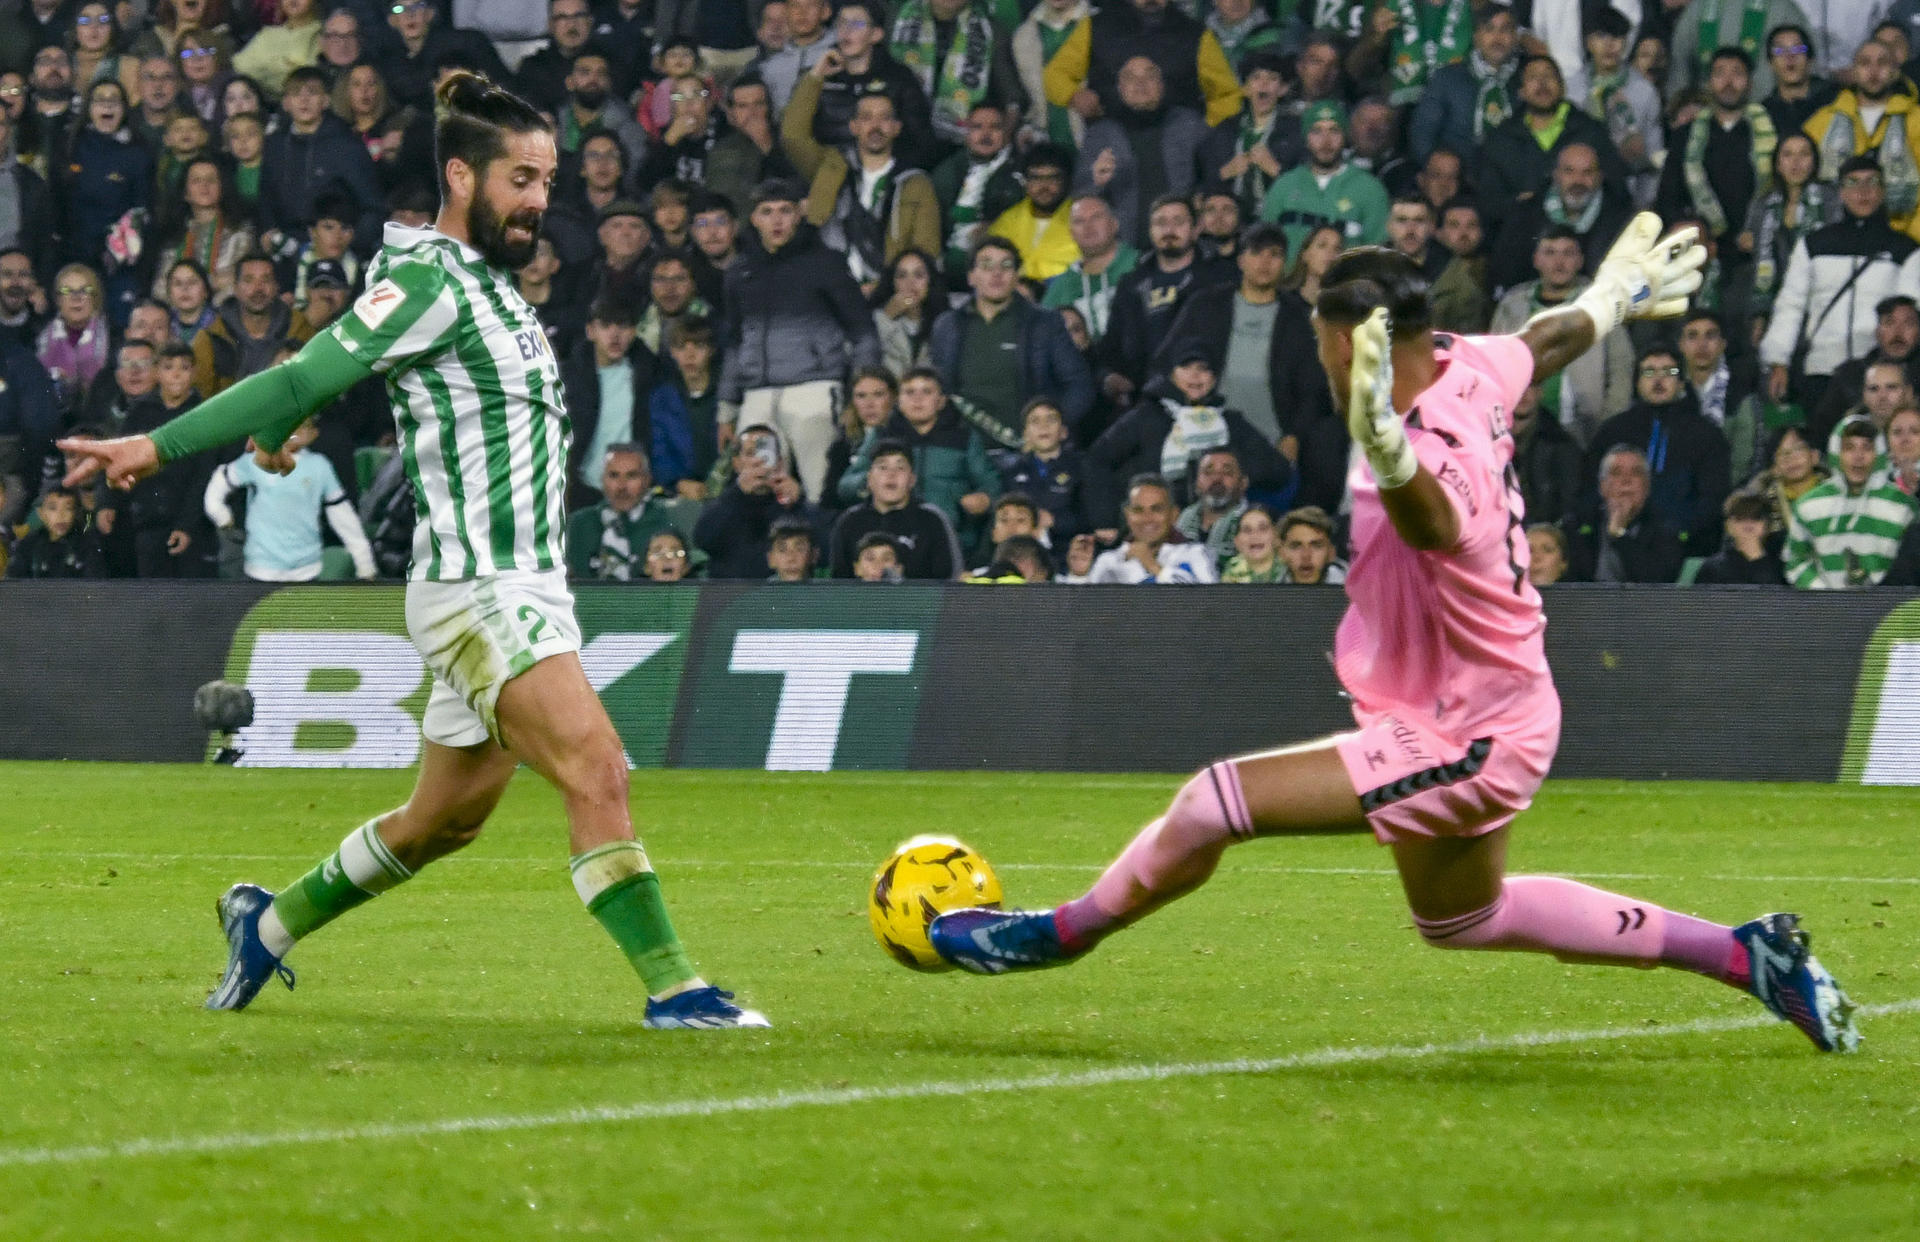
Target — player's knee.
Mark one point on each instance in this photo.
(1211, 806)
(596, 772)
(1476, 929)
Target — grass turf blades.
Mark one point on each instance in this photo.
(480, 992)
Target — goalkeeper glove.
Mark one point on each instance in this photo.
(1644, 276)
(1370, 416)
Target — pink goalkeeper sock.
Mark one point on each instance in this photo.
(1545, 914)
(1579, 923)
(1172, 856)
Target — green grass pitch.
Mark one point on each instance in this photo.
(1275, 1057)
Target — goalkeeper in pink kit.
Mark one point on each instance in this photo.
(1441, 649)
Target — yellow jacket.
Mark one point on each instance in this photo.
(1828, 129)
(1046, 243)
(1067, 72)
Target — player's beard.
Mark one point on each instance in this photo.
(487, 231)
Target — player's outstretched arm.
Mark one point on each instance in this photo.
(267, 407)
(1644, 276)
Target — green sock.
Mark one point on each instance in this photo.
(620, 890)
(360, 870)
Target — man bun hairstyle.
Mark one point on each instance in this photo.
(1364, 279)
(471, 116)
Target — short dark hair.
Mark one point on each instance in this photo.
(611, 310)
(176, 349)
(1611, 22)
(1461, 202)
(1699, 313)
(1047, 155)
(923, 373)
(778, 190)
(1730, 52)
(471, 118)
(891, 448)
(1886, 306)
(1171, 200)
(993, 241)
(257, 256)
(1023, 548)
(1859, 429)
(1412, 199)
(1746, 507)
(1558, 232)
(1017, 500)
(1363, 280)
(877, 539)
(1263, 235)
(1787, 28)
(133, 342)
(305, 75)
(690, 330)
(789, 527)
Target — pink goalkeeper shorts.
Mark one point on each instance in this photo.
(1415, 781)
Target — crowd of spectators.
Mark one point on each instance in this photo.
(994, 289)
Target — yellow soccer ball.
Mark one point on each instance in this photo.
(926, 876)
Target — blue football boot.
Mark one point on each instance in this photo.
(994, 942)
(249, 965)
(702, 1009)
(1788, 980)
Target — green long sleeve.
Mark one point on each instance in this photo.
(267, 406)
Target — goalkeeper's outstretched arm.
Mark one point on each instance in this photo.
(267, 407)
(1644, 276)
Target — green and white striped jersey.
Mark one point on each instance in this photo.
(476, 394)
(1837, 538)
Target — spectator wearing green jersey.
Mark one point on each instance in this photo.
(1089, 283)
(1327, 189)
(1843, 534)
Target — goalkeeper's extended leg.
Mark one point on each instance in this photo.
(1302, 789)
(456, 791)
(1462, 899)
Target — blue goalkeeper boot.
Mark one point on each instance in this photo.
(249, 965)
(1788, 980)
(994, 942)
(702, 1009)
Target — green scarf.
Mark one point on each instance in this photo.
(1842, 142)
(1491, 103)
(1753, 28)
(955, 81)
(1701, 190)
(1428, 36)
(1556, 209)
(1250, 187)
(1600, 94)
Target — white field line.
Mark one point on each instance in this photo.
(669, 863)
(840, 1097)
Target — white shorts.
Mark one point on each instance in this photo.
(480, 633)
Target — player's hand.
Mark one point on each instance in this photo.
(124, 461)
(1645, 276)
(1371, 419)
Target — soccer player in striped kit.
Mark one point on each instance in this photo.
(483, 435)
(1442, 651)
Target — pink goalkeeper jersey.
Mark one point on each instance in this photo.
(1452, 637)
